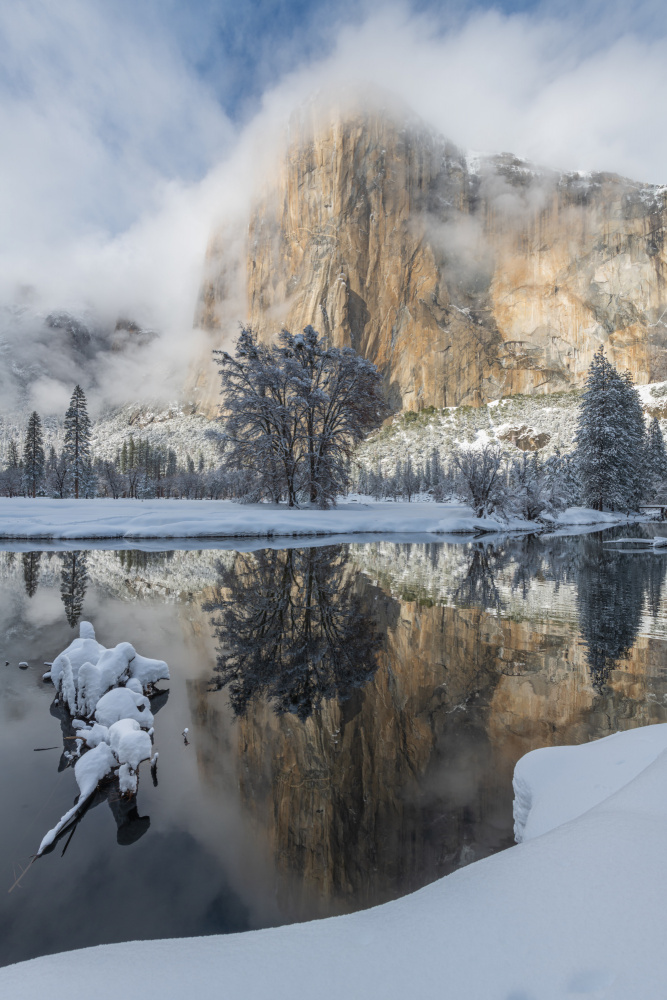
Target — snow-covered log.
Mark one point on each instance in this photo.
(107, 690)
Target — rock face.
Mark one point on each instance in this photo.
(464, 279)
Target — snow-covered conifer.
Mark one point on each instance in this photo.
(33, 456)
(609, 438)
(77, 445)
(12, 477)
(655, 460)
(634, 440)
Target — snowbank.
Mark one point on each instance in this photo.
(577, 911)
(587, 515)
(24, 518)
(110, 685)
(557, 784)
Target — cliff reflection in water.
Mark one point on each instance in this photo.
(373, 770)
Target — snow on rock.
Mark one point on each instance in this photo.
(576, 911)
(95, 735)
(146, 671)
(85, 649)
(129, 742)
(109, 686)
(86, 670)
(131, 745)
(122, 703)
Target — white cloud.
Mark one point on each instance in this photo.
(107, 134)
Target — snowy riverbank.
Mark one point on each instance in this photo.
(577, 908)
(27, 519)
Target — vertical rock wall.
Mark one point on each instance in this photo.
(464, 279)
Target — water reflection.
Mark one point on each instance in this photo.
(73, 582)
(381, 696)
(31, 561)
(291, 628)
(614, 588)
(478, 586)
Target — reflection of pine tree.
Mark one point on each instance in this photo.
(292, 630)
(611, 589)
(31, 562)
(73, 580)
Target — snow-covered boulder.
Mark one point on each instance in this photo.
(123, 703)
(84, 649)
(131, 745)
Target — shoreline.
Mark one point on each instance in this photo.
(28, 520)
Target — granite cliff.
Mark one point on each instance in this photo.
(464, 278)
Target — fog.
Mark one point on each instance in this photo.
(119, 159)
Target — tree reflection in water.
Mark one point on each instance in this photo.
(73, 581)
(291, 628)
(31, 561)
(612, 589)
(478, 587)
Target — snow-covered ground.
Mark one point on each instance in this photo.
(576, 909)
(25, 518)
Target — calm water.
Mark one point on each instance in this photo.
(354, 715)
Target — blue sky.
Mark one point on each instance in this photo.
(240, 49)
(100, 100)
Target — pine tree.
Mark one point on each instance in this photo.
(13, 455)
(634, 438)
(77, 445)
(655, 459)
(12, 479)
(610, 438)
(33, 456)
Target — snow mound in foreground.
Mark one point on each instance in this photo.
(111, 687)
(578, 911)
(557, 784)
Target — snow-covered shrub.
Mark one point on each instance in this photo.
(480, 480)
